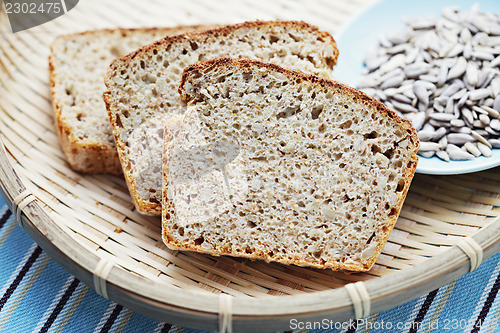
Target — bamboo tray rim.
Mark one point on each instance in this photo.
(179, 304)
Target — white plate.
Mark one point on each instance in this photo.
(384, 17)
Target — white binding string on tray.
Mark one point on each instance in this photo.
(360, 299)
(101, 274)
(20, 202)
(473, 250)
(225, 313)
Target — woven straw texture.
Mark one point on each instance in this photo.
(97, 213)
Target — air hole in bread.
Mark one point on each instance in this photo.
(375, 149)
(273, 39)
(194, 46)
(199, 241)
(80, 116)
(389, 153)
(371, 135)
(143, 64)
(346, 124)
(288, 112)
(119, 121)
(316, 111)
(180, 231)
(401, 185)
(251, 224)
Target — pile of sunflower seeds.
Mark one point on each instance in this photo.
(443, 74)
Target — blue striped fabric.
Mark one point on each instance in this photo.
(37, 295)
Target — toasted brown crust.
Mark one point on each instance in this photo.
(338, 87)
(221, 31)
(92, 156)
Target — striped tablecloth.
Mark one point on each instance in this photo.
(37, 295)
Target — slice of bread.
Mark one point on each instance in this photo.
(274, 164)
(77, 64)
(142, 87)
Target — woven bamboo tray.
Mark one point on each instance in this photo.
(88, 225)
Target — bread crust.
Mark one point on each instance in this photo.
(337, 87)
(92, 156)
(222, 31)
(145, 206)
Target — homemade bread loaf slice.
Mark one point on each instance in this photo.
(77, 65)
(142, 87)
(283, 166)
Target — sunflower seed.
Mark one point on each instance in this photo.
(442, 76)
(403, 107)
(495, 62)
(472, 74)
(402, 98)
(480, 138)
(393, 81)
(459, 138)
(467, 50)
(485, 79)
(458, 69)
(495, 143)
(465, 35)
(443, 142)
(479, 110)
(485, 150)
(425, 135)
(427, 154)
(458, 154)
(429, 146)
(437, 123)
(443, 155)
(495, 124)
(491, 112)
(472, 148)
(456, 50)
(468, 117)
(478, 124)
(496, 104)
(457, 123)
(416, 69)
(439, 133)
(479, 55)
(463, 130)
(451, 89)
(495, 86)
(484, 119)
(418, 120)
(421, 92)
(479, 94)
(490, 131)
(445, 117)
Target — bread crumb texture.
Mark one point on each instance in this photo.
(277, 165)
(78, 63)
(143, 87)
